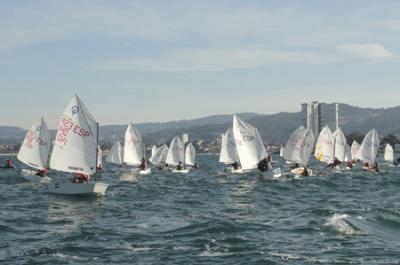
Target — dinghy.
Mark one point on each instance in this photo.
(176, 155)
(116, 154)
(340, 145)
(298, 149)
(75, 150)
(228, 154)
(324, 148)
(34, 152)
(389, 153)
(249, 147)
(134, 150)
(369, 148)
(158, 156)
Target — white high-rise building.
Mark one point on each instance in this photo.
(316, 115)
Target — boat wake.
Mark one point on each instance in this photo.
(338, 223)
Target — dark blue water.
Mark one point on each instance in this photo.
(201, 218)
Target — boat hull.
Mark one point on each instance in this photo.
(298, 171)
(182, 171)
(30, 175)
(66, 188)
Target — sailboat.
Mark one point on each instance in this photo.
(249, 147)
(228, 154)
(158, 155)
(388, 153)
(369, 148)
(355, 147)
(190, 155)
(134, 150)
(34, 152)
(340, 145)
(176, 155)
(324, 148)
(298, 149)
(116, 154)
(75, 150)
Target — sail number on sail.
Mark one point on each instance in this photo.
(66, 125)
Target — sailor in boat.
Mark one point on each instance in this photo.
(396, 162)
(81, 178)
(235, 165)
(376, 167)
(295, 166)
(335, 163)
(265, 164)
(142, 164)
(195, 166)
(350, 164)
(41, 173)
(366, 166)
(99, 168)
(9, 164)
(305, 172)
(179, 166)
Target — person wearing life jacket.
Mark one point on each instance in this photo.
(263, 165)
(42, 173)
(335, 163)
(349, 164)
(305, 172)
(81, 178)
(9, 163)
(142, 164)
(235, 165)
(179, 166)
(366, 166)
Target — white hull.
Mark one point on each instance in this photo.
(298, 171)
(182, 171)
(240, 171)
(30, 175)
(145, 172)
(77, 188)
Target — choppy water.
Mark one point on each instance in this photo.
(201, 218)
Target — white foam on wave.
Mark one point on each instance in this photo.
(64, 256)
(284, 256)
(210, 253)
(338, 222)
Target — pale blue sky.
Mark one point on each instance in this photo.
(166, 60)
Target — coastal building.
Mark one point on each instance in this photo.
(316, 115)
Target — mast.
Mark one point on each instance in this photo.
(97, 147)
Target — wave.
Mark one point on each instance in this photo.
(339, 224)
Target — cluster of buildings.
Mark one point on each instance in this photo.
(316, 115)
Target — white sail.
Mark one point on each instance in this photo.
(369, 147)
(153, 150)
(249, 145)
(176, 152)
(348, 153)
(355, 147)
(299, 147)
(165, 150)
(99, 157)
(75, 145)
(133, 147)
(324, 148)
(35, 149)
(185, 138)
(340, 145)
(281, 152)
(228, 153)
(190, 155)
(116, 154)
(388, 153)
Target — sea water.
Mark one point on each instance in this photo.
(348, 217)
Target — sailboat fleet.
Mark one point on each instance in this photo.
(76, 152)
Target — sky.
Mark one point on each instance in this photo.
(144, 61)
